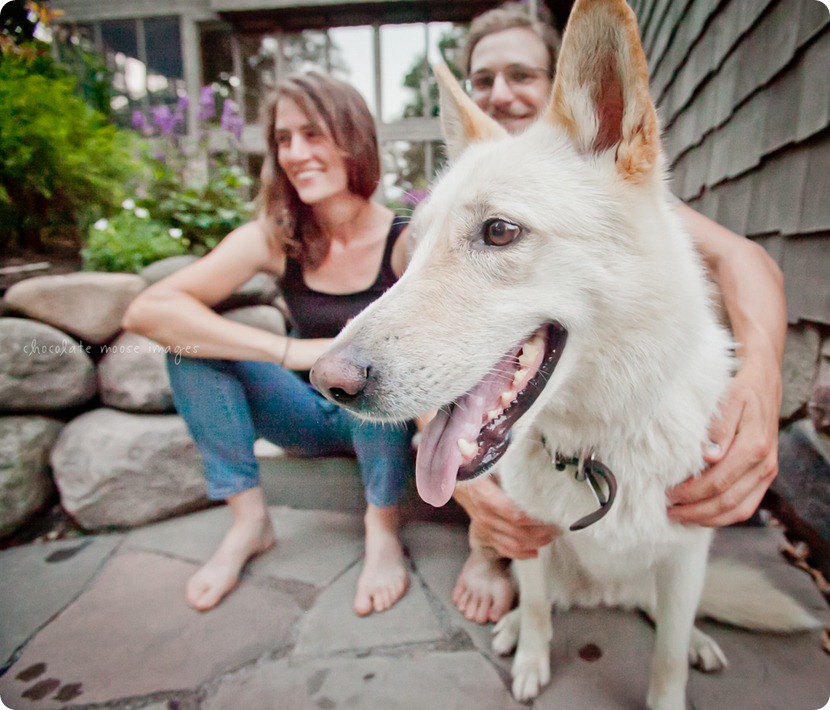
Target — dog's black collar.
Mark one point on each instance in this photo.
(593, 471)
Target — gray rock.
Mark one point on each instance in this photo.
(262, 317)
(90, 305)
(115, 469)
(25, 484)
(41, 368)
(804, 474)
(820, 399)
(799, 368)
(132, 376)
(162, 268)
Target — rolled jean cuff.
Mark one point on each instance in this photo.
(223, 481)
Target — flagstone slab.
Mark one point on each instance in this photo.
(39, 580)
(313, 547)
(441, 680)
(131, 634)
(329, 483)
(766, 671)
(331, 625)
(760, 548)
(438, 553)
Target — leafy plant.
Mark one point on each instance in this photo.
(130, 241)
(61, 163)
(205, 212)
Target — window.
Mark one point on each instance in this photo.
(145, 59)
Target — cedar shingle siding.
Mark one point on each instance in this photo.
(743, 89)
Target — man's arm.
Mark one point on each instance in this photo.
(743, 452)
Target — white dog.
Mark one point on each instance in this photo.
(552, 283)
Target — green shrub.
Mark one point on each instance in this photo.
(130, 241)
(205, 212)
(61, 164)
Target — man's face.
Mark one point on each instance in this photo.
(509, 77)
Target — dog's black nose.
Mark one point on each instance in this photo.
(342, 378)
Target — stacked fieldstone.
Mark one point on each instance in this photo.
(804, 442)
(86, 409)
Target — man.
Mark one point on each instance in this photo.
(510, 60)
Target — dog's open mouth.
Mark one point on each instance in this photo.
(469, 435)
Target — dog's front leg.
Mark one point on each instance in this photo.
(679, 582)
(531, 667)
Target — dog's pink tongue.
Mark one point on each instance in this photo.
(439, 457)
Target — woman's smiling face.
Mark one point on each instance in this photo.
(312, 162)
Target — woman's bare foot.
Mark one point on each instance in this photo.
(250, 534)
(484, 591)
(384, 579)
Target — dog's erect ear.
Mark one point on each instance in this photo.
(463, 122)
(601, 95)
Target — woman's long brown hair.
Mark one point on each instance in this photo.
(340, 112)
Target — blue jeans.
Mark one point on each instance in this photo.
(228, 404)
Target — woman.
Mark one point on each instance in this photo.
(333, 251)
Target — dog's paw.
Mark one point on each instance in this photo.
(531, 672)
(666, 701)
(705, 654)
(506, 633)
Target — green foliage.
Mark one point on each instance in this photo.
(411, 176)
(94, 82)
(61, 163)
(206, 211)
(130, 241)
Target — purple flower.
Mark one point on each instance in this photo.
(235, 125)
(183, 103)
(139, 121)
(163, 119)
(207, 103)
(231, 120)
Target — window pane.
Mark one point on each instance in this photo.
(402, 49)
(129, 75)
(164, 47)
(217, 57)
(165, 71)
(353, 60)
(120, 36)
(259, 61)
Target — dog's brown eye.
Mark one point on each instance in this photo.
(499, 233)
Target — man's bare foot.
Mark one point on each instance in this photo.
(250, 534)
(384, 579)
(484, 591)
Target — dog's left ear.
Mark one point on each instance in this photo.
(463, 122)
(601, 95)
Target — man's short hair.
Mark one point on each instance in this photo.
(506, 17)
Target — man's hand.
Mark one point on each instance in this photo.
(496, 521)
(743, 454)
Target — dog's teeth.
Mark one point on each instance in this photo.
(519, 375)
(529, 352)
(468, 449)
(493, 414)
(506, 399)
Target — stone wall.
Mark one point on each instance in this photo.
(804, 442)
(86, 410)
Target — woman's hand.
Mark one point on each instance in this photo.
(743, 454)
(497, 522)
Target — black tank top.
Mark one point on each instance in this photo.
(322, 315)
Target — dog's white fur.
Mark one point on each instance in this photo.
(645, 363)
